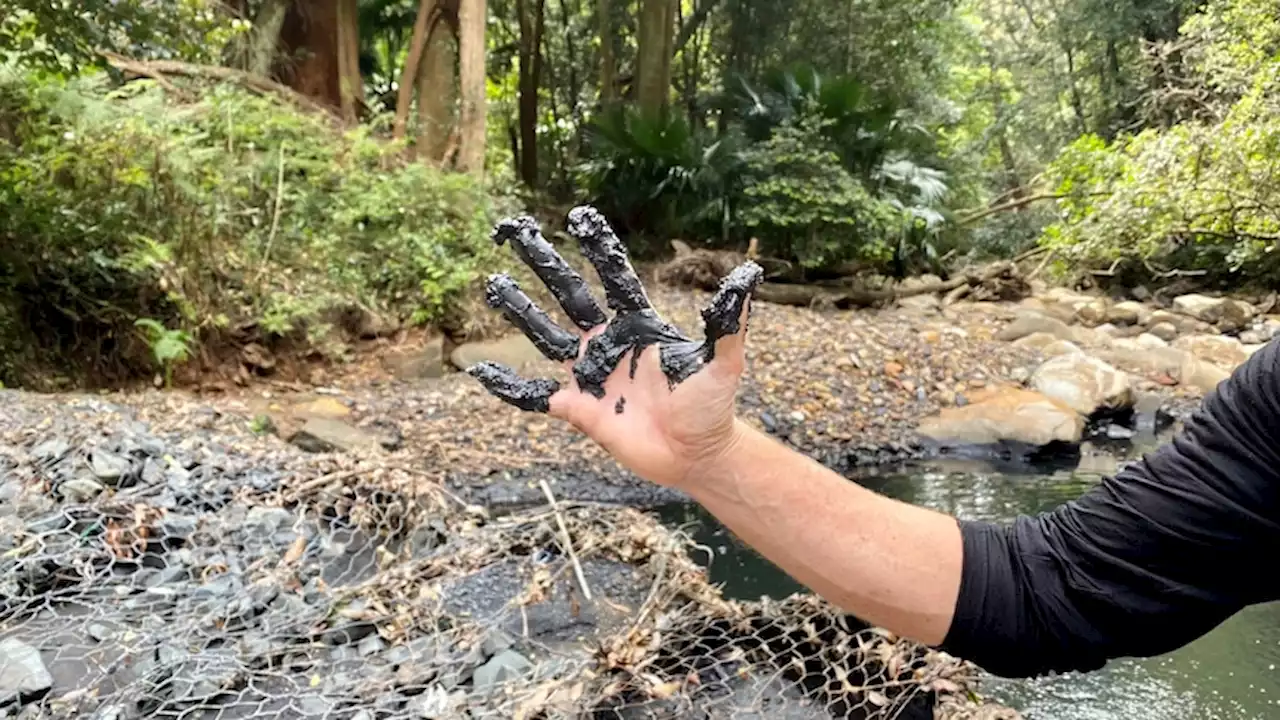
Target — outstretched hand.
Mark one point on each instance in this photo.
(660, 413)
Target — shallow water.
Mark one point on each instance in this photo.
(1232, 673)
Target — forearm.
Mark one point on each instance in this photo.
(887, 562)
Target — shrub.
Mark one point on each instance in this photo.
(232, 214)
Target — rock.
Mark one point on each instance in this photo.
(371, 645)
(429, 361)
(1083, 383)
(926, 302)
(1093, 312)
(80, 490)
(1140, 293)
(514, 350)
(1128, 313)
(1184, 323)
(504, 667)
(108, 467)
(1107, 329)
(1060, 347)
(1037, 340)
(1149, 340)
(323, 407)
(1119, 432)
(1148, 412)
(328, 435)
(1226, 352)
(22, 672)
(258, 357)
(51, 450)
(436, 704)
(1030, 323)
(368, 324)
(1165, 331)
(1005, 413)
(1223, 313)
(1048, 309)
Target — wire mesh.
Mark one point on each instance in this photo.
(166, 577)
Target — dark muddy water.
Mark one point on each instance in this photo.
(1233, 673)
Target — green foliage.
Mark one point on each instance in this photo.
(805, 206)
(229, 215)
(1200, 195)
(169, 346)
(64, 37)
(659, 177)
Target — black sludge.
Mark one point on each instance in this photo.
(633, 331)
(568, 287)
(556, 343)
(526, 394)
(722, 317)
(609, 256)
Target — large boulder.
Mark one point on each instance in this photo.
(1168, 364)
(1184, 324)
(1128, 313)
(1223, 313)
(1083, 383)
(1030, 323)
(1223, 351)
(515, 350)
(1005, 414)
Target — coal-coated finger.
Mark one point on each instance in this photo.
(552, 340)
(629, 332)
(503, 382)
(568, 287)
(622, 287)
(723, 315)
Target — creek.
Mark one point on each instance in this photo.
(1232, 673)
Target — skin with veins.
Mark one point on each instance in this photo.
(635, 327)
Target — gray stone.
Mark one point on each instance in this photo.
(1128, 313)
(504, 667)
(371, 645)
(1119, 432)
(22, 672)
(80, 490)
(107, 467)
(271, 519)
(315, 706)
(1029, 323)
(435, 704)
(495, 642)
(515, 351)
(51, 450)
(1224, 313)
(329, 434)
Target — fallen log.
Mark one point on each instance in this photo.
(843, 298)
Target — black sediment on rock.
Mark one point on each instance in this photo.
(568, 287)
(533, 395)
(606, 252)
(502, 292)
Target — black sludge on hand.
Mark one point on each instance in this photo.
(553, 341)
(568, 287)
(526, 394)
(631, 331)
(609, 256)
(722, 317)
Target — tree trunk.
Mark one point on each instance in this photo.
(695, 21)
(531, 29)
(608, 58)
(326, 35)
(471, 81)
(437, 92)
(408, 76)
(266, 36)
(653, 55)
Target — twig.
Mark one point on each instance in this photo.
(323, 480)
(275, 216)
(954, 296)
(1011, 205)
(568, 540)
(1043, 264)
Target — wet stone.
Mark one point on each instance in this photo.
(23, 674)
(80, 490)
(51, 450)
(371, 645)
(108, 467)
(504, 667)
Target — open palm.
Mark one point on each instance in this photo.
(656, 400)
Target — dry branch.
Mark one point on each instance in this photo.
(808, 295)
(158, 69)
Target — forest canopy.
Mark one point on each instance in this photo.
(348, 156)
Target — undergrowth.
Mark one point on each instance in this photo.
(233, 218)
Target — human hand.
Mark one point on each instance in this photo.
(660, 414)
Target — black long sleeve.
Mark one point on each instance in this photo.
(1145, 562)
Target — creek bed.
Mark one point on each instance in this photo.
(1232, 673)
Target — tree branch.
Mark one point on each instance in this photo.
(694, 22)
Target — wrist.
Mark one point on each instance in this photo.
(716, 461)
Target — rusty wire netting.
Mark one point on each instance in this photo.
(150, 577)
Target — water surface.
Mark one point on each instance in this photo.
(1232, 673)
